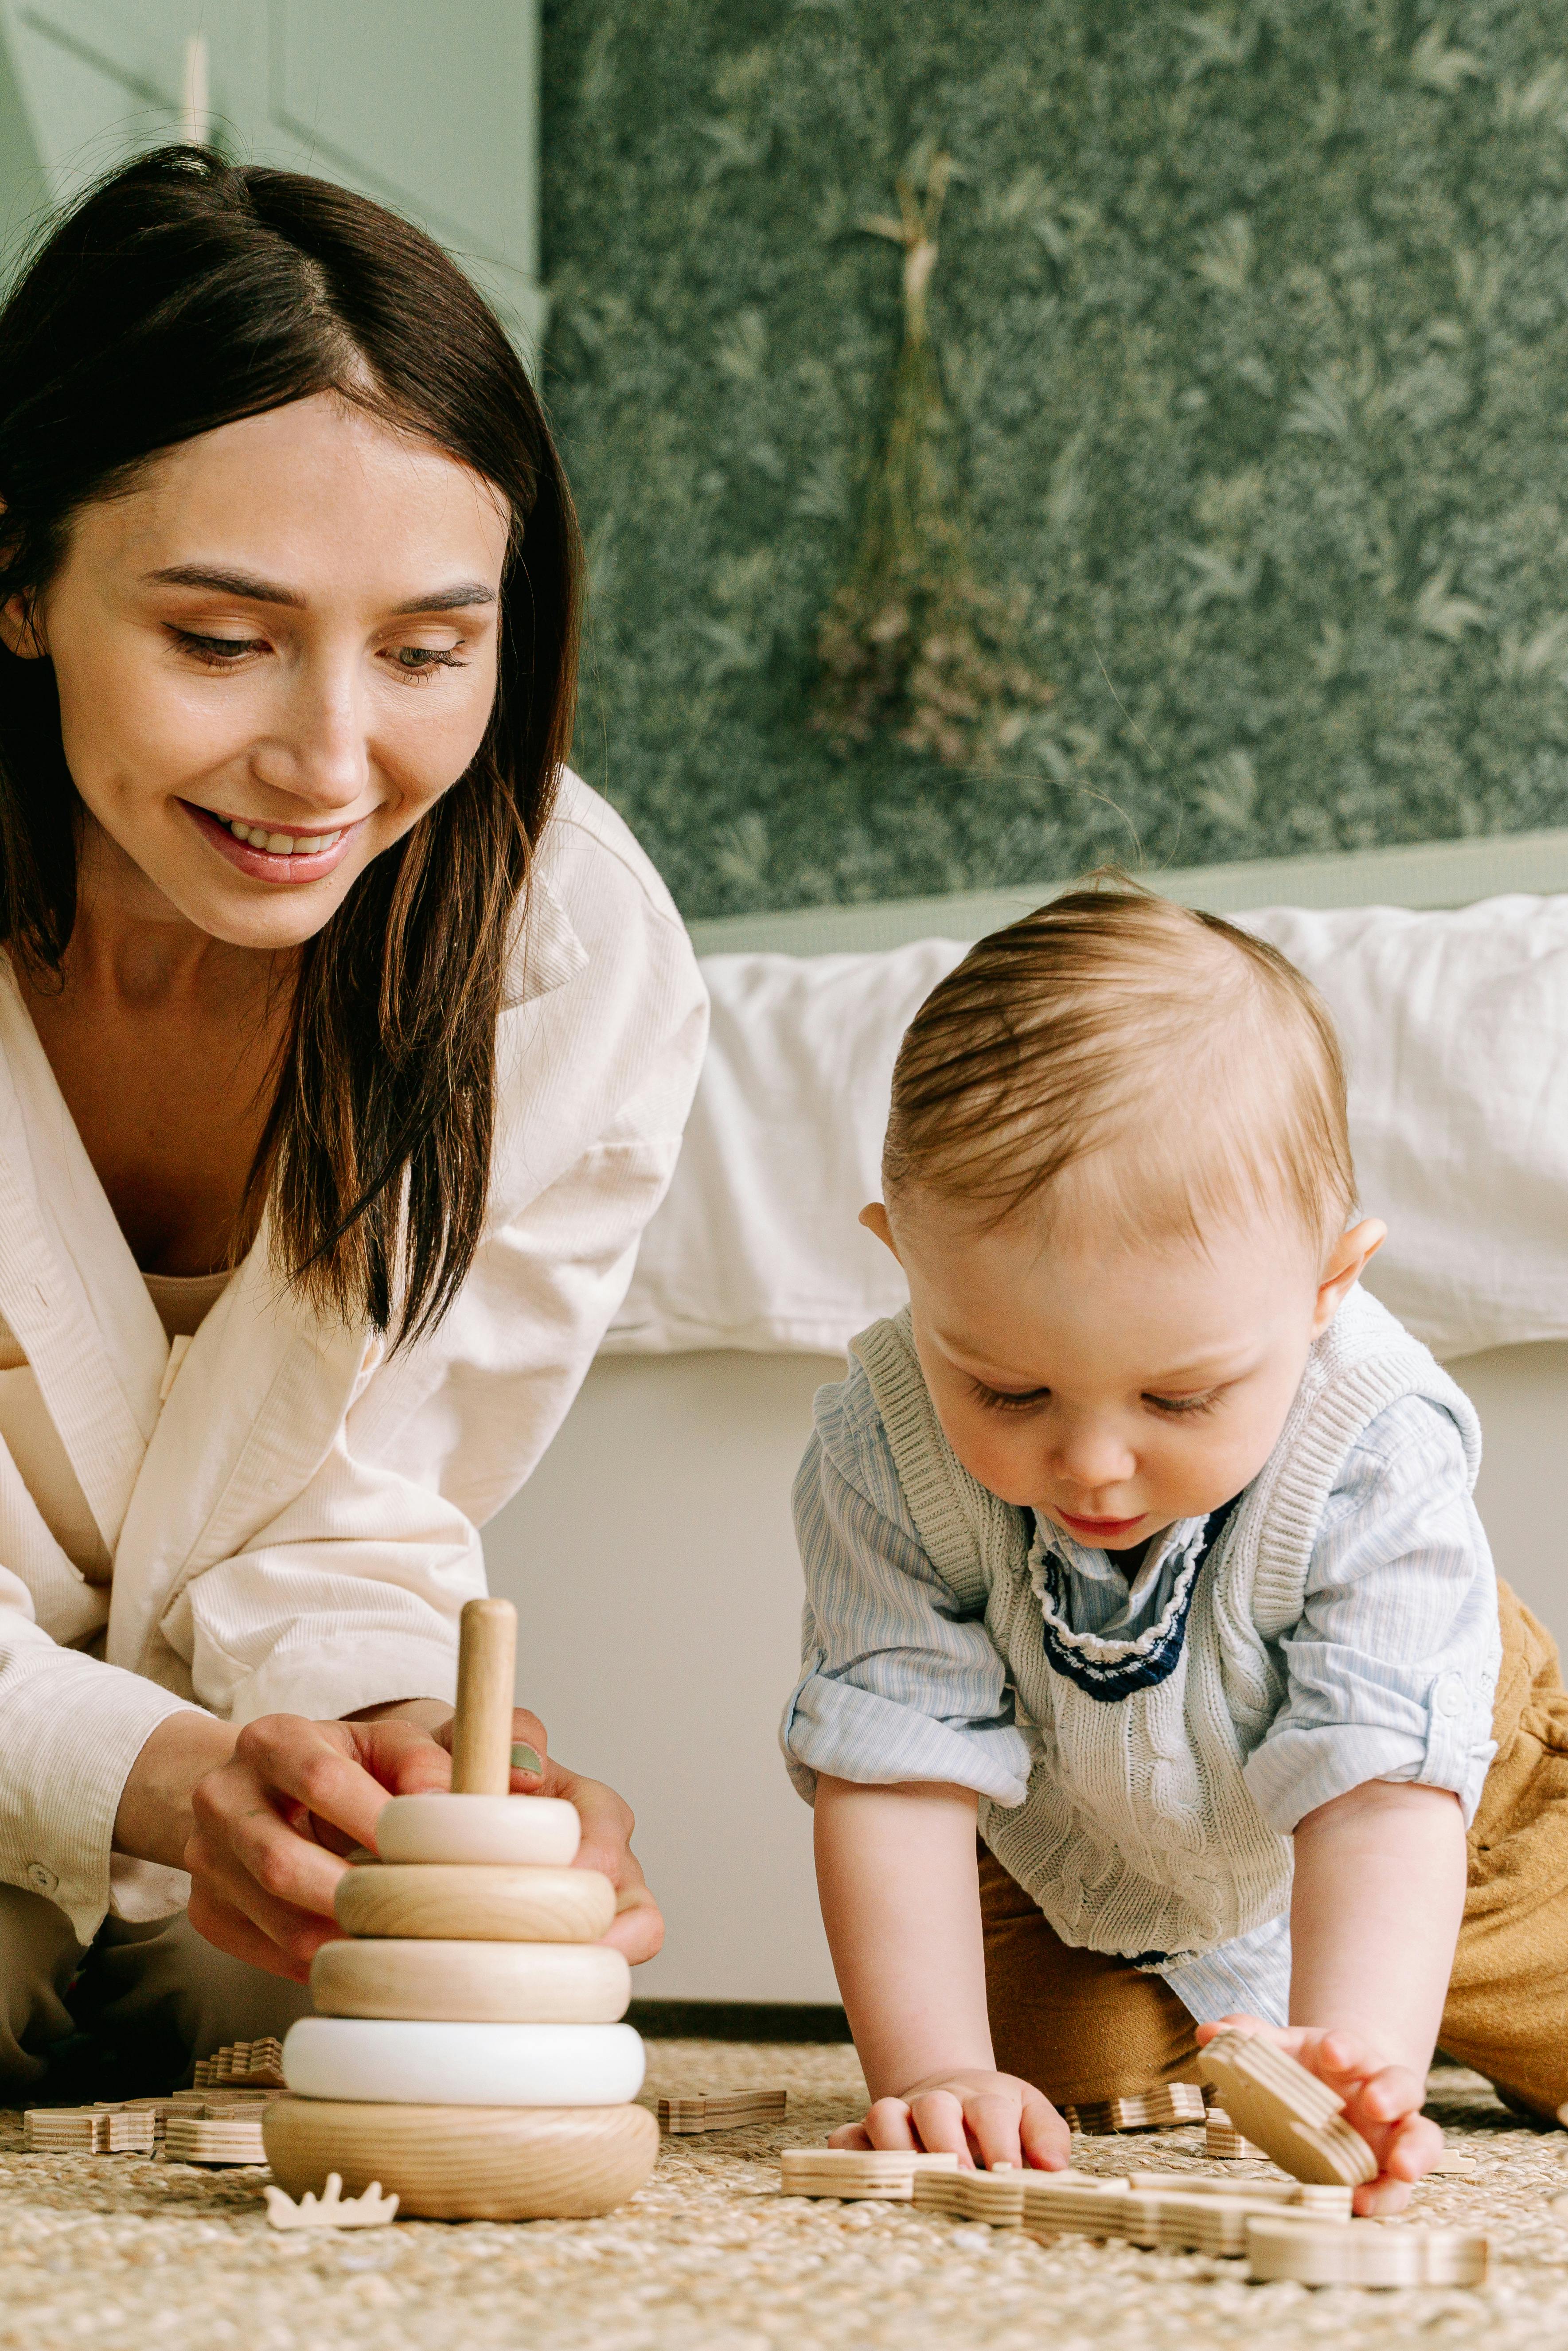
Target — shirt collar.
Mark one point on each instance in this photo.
(1174, 1547)
(546, 950)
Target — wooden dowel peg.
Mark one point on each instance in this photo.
(482, 1733)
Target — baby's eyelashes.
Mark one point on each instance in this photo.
(1192, 1404)
(1010, 1400)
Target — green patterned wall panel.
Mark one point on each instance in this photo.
(1254, 323)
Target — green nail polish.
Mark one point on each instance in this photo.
(526, 1759)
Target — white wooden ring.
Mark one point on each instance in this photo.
(540, 1831)
(489, 1983)
(377, 2060)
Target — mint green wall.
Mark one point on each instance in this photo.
(1255, 318)
(436, 113)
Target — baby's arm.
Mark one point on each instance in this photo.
(1375, 1917)
(900, 1894)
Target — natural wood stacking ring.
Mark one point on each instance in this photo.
(413, 2061)
(475, 1904)
(534, 1830)
(499, 1983)
(484, 2163)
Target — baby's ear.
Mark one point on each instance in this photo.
(874, 1217)
(1348, 1261)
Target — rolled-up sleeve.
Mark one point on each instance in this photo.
(1392, 1669)
(895, 1684)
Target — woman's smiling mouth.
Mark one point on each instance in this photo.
(265, 853)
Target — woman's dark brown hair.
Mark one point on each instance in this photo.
(180, 295)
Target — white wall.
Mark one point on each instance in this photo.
(653, 1566)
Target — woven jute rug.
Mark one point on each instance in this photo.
(127, 2253)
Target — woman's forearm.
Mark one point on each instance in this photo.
(154, 1820)
(1375, 1916)
(900, 1894)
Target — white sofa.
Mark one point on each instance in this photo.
(660, 1518)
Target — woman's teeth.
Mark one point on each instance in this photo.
(283, 844)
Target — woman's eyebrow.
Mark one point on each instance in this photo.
(460, 597)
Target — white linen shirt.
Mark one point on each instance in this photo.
(292, 1513)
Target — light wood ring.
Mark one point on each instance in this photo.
(531, 1831)
(464, 1904)
(465, 2163)
(482, 1983)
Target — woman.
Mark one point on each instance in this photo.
(345, 1044)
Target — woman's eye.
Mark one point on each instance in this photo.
(219, 653)
(423, 661)
(1001, 1400)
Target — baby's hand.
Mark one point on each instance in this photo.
(982, 2118)
(1383, 2102)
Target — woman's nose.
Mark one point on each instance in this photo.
(318, 750)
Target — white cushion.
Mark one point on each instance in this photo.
(1455, 1027)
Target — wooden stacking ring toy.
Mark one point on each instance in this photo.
(490, 1983)
(469, 2058)
(365, 2058)
(532, 1830)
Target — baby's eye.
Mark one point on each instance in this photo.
(1175, 1406)
(1010, 1400)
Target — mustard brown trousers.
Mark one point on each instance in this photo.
(1084, 2027)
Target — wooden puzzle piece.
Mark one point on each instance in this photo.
(477, 2163)
(217, 2134)
(1363, 2253)
(1324, 2203)
(995, 2197)
(476, 1983)
(855, 2172)
(1072, 2203)
(1295, 2118)
(542, 1831)
(729, 2110)
(1222, 2142)
(471, 1902)
(258, 2065)
(1168, 2106)
(331, 2211)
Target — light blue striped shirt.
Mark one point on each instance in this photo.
(1389, 1675)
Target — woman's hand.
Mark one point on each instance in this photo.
(1383, 2102)
(983, 2118)
(607, 1826)
(263, 1818)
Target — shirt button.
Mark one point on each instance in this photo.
(42, 1880)
(1449, 1696)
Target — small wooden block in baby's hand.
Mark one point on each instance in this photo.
(854, 2171)
(730, 2110)
(1286, 2111)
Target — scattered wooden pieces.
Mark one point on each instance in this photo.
(220, 2133)
(1071, 2202)
(1452, 2159)
(333, 2210)
(477, 1983)
(472, 1903)
(1222, 2142)
(256, 2064)
(1167, 2107)
(543, 1831)
(1363, 2253)
(1295, 2118)
(855, 2172)
(995, 2197)
(729, 2110)
(472, 2163)
(106, 2129)
(1301, 2196)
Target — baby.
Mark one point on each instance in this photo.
(1144, 1540)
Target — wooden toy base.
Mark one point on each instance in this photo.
(467, 2163)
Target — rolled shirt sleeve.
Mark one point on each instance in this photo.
(1392, 1668)
(896, 1684)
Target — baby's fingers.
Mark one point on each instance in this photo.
(1047, 2142)
(890, 2125)
(938, 2119)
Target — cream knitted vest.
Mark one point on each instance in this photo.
(1137, 1834)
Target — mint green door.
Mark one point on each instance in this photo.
(435, 111)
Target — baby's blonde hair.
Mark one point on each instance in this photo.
(1186, 1069)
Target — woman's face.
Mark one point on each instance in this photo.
(273, 656)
